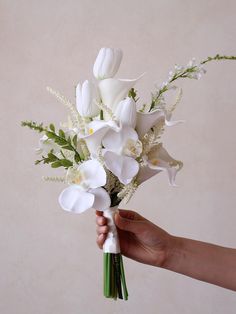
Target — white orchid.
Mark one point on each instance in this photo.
(158, 160)
(86, 100)
(121, 148)
(86, 189)
(107, 63)
(94, 133)
(126, 112)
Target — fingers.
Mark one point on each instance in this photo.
(100, 240)
(129, 221)
(102, 230)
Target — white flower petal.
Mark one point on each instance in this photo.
(112, 90)
(126, 112)
(102, 199)
(146, 173)
(116, 140)
(125, 168)
(73, 199)
(93, 173)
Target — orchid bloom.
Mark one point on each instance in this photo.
(121, 149)
(94, 133)
(86, 189)
(86, 101)
(107, 63)
(158, 160)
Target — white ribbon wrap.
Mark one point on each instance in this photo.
(111, 244)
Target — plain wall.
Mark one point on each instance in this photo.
(49, 260)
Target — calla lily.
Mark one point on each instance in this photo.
(126, 112)
(121, 149)
(146, 120)
(86, 191)
(94, 133)
(158, 160)
(112, 91)
(86, 102)
(107, 63)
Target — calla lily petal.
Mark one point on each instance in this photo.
(145, 121)
(112, 90)
(124, 167)
(74, 199)
(102, 199)
(159, 159)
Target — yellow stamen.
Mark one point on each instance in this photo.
(91, 131)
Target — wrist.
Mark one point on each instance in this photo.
(173, 252)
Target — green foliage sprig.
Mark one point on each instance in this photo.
(55, 161)
(65, 142)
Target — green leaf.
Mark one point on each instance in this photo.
(66, 163)
(51, 134)
(67, 147)
(52, 127)
(69, 140)
(56, 164)
(74, 140)
(77, 158)
(62, 133)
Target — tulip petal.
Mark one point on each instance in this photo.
(126, 112)
(124, 167)
(102, 199)
(74, 199)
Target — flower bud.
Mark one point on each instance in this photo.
(107, 63)
(86, 100)
(126, 112)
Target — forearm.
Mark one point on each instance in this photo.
(203, 261)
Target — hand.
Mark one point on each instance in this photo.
(140, 239)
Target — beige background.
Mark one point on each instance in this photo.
(49, 261)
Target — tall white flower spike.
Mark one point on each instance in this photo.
(86, 100)
(126, 112)
(85, 190)
(121, 149)
(107, 63)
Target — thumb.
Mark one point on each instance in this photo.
(129, 220)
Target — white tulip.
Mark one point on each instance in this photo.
(86, 102)
(107, 63)
(126, 112)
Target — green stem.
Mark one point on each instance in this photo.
(125, 290)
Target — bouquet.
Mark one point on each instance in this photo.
(110, 145)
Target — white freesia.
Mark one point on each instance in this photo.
(126, 112)
(86, 189)
(107, 63)
(86, 100)
(158, 160)
(121, 149)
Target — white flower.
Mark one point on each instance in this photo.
(107, 63)
(86, 101)
(112, 91)
(146, 120)
(121, 149)
(46, 145)
(126, 112)
(86, 191)
(158, 160)
(94, 133)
